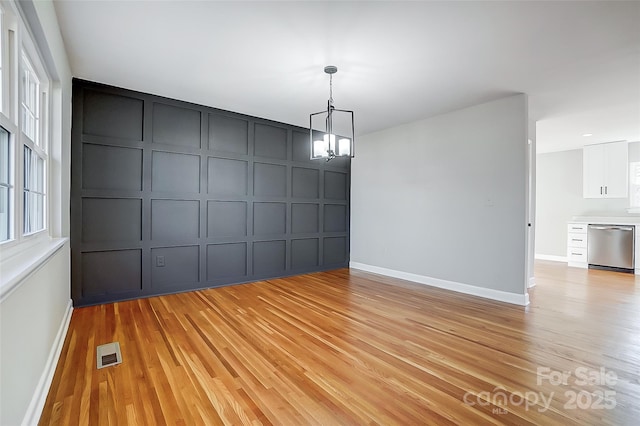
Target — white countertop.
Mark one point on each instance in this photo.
(608, 220)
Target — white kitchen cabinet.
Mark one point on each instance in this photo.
(577, 245)
(606, 170)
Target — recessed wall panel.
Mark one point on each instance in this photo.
(335, 218)
(176, 126)
(302, 147)
(111, 168)
(226, 218)
(270, 141)
(269, 257)
(269, 180)
(226, 261)
(172, 266)
(304, 253)
(335, 185)
(304, 182)
(111, 219)
(341, 163)
(269, 218)
(227, 177)
(175, 220)
(304, 218)
(335, 250)
(171, 172)
(228, 134)
(112, 116)
(111, 272)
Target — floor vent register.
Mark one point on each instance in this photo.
(109, 355)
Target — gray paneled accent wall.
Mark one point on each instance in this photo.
(168, 196)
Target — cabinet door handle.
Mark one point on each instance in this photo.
(575, 239)
(600, 190)
(605, 190)
(576, 254)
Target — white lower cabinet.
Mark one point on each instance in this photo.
(577, 245)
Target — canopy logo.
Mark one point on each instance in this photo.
(501, 399)
(598, 399)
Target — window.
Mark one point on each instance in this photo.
(30, 109)
(7, 46)
(5, 186)
(24, 137)
(34, 157)
(33, 192)
(2, 37)
(634, 185)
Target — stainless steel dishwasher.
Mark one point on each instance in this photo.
(611, 247)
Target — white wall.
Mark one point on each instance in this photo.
(34, 315)
(559, 198)
(30, 322)
(445, 198)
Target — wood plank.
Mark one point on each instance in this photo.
(348, 347)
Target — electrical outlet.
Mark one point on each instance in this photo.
(159, 261)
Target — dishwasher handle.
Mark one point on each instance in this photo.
(613, 228)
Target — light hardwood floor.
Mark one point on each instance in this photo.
(347, 347)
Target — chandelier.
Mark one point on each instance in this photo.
(331, 132)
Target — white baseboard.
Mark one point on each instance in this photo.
(487, 293)
(532, 282)
(551, 257)
(34, 411)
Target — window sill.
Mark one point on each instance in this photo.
(19, 266)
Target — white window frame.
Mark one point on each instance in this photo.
(18, 43)
(2, 60)
(634, 187)
(8, 118)
(34, 214)
(9, 185)
(29, 99)
(33, 195)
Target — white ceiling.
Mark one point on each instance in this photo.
(579, 62)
